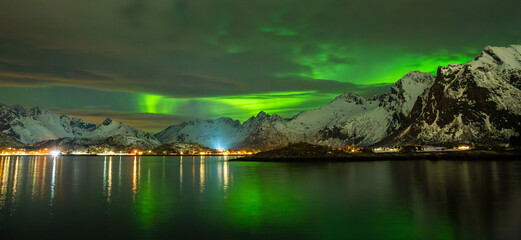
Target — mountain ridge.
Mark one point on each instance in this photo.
(474, 103)
(36, 125)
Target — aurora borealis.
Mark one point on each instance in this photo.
(155, 63)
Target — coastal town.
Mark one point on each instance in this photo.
(11, 151)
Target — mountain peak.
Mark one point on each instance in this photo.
(508, 57)
(416, 77)
(262, 114)
(350, 97)
(107, 122)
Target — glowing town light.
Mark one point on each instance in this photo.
(464, 148)
(55, 153)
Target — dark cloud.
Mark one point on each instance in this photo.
(51, 72)
(190, 76)
(70, 98)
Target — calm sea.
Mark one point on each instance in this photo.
(210, 198)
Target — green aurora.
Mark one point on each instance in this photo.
(289, 103)
(237, 107)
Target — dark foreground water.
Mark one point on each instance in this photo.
(208, 197)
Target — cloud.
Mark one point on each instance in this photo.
(25, 66)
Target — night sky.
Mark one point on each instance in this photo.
(155, 63)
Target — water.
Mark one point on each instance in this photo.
(208, 197)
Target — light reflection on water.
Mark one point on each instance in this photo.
(209, 197)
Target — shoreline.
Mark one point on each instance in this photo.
(125, 155)
(471, 155)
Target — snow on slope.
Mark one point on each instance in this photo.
(499, 70)
(478, 102)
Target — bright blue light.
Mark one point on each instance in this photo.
(55, 153)
(218, 146)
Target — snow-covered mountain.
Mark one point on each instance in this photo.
(30, 126)
(348, 118)
(33, 125)
(478, 102)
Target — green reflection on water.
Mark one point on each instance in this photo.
(254, 198)
(154, 197)
(155, 201)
